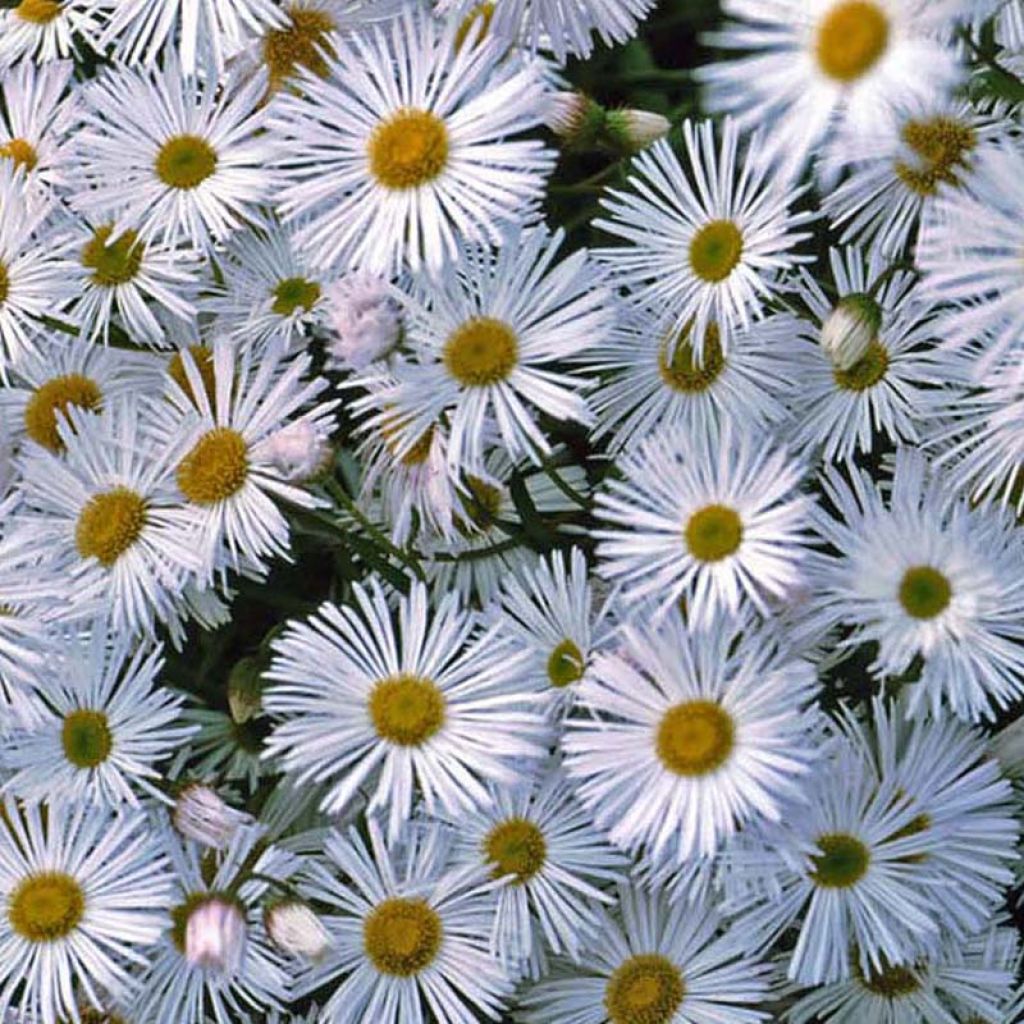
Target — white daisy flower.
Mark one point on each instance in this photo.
(715, 519)
(203, 35)
(45, 30)
(409, 935)
(305, 39)
(929, 580)
(652, 378)
(977, 435)
(405, 148)
(271, 292)
(547, 608)
(215, 958)
(432, 708)
(868, 387)
(36, 120)
(556, 866)
(487, 341)
(968, 980)
(107, 510)
(565, 27)
(898, 172)
(969, 255)
(228, 481)
(81, 890)
(670, 965)
(121, 276)
(33, 281)
(164, 154)
(963, 806)
(105, 726)
(729, 214)
(678, 739)
(487, 543)
(818, 69)
(67, 375)
(846, 869)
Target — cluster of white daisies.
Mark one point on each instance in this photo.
(675, 629)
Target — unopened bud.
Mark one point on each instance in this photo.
(576, 119)
(245, 690)
(201, 814)
(296, 930)
(215, 936)
(297, 451)
(850, 329)
(365, 319)
(633, 130)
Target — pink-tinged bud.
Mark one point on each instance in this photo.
(576, 119)
(297, 451)
(366, 321)
(633, 130)
(201, 814)
(215, 936)
(296, 930)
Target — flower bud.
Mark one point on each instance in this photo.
(365, 319)
(297, 451)
(850, 328)
(200, 814)
(633, 130)
(245, 690)
(576, 119)
(296, 930)
(215, 936)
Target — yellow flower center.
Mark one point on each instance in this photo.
(406, 710)
(5, 284)
(85, 736)
(216, 467)
(302, 44)
(115, 263)
(843, 861)
(478, 20)
(109, 524)
(480, 352)
(852, 37)
(924, 592)
(402, 937)
(565, 664)
(645, 989)
(21, 153)
(293, 293)
(516, 847)
(415, 455)
(713, 533)
(38, 12)
(942, 144)
(892, 981)
(866, 372)
(46, 907)
(695, 737)
(57, 395)
(185, 161)
(715, 250)
(408, 150)
(202, 356)
(92, 1016)
(682, 372)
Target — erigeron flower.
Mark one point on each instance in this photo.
(929, 580)
(716, 519)
(822, 70)
(81, 889)
(409, 932)
(655, 963)
(45, 30)
(490, 342)
(364, 320)
(707, 237)
(678, 739)
(202, 814)
(429, 707)
(104, 726)
(296, 930)
(170, 156)
(388, 172)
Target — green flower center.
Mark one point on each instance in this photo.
(86, 738)
(843, 861)
(866, 372)
(683, 372)
(924, 592)
(715, 250)
(115, 263)
(565, 664)
(185, 161)
(713, 533)
(294, 293)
